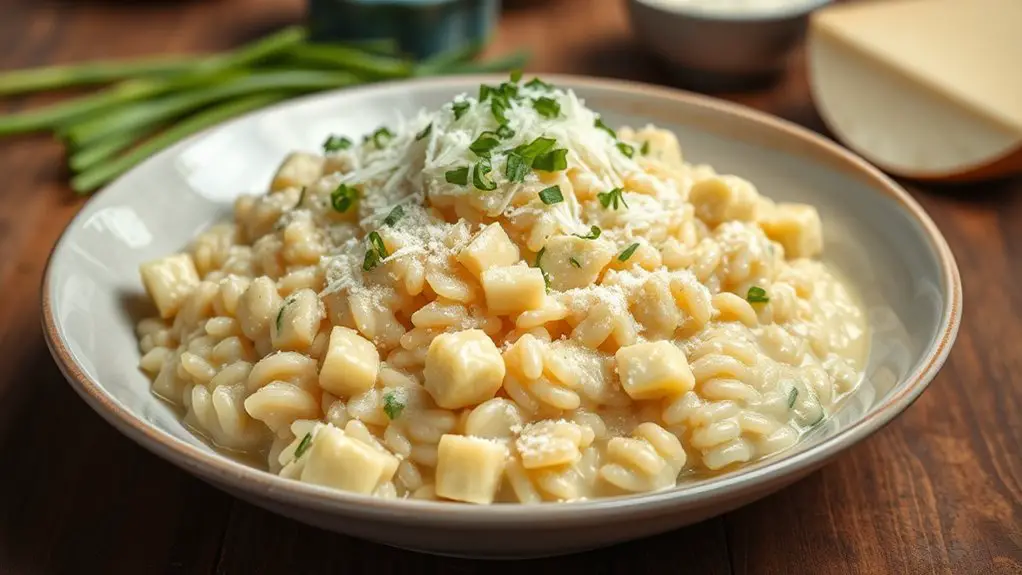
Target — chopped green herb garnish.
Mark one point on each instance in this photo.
(756, 294)
(644, 150)
(574, 262)
(499, 107)
(599, 124)
(392, 406)
(504, 132)
(535, 148)
(516, 75)
(459, 109)
(508, 90)
(823, 415)
(375, 253)
(481, 176)
(538, 84)
(343, 197)
(484, 92)
(459, 176)
(539, 257)
(280, 314)
(336, 144)
(381, 137)
(626, 149)
(394, 216)
(594, 232)
(612, 199)
(551, 195)
(425, 132)
(547, 107)
(517, 167)
(301, 198)
(303, 445)
(484, 144)
(552, 161)
(792, 396)
(623, 257)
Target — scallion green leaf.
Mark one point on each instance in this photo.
(623, 257)
(516, 75)
(612, 199)
(504, 132)
(481, 176)
(551, 195)
(394, 216)
(552, 161)
(547, 107)
(303, 445)
(392, 406)
(375, 253)
(342, 198)
(336, 143)
(756, 294)
(459, 109)
(381, 136)
(458, 176)
(599, 124)
(517, 168)
(484, 144)
(626, 149)
(538, 84)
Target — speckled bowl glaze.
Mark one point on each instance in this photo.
(875, 234)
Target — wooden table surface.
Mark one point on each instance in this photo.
(937, 491)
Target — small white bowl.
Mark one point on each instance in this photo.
(876, 234)
(716, 49)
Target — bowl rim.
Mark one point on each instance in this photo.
(751, 15)
(241, 478)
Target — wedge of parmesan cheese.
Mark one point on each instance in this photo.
(927, 89)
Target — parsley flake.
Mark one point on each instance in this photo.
(538, 84)
(644, 150)
(594, 232)
(459, 109)
(626, 149)
(612, 199)
(551, 195)
(343, 197)
(301, 198)
(539, 257)
(623, 257)
(303, 445)
(757, 294)
(516, 75)
(499, 107)
(381, 137)
(547, 107)
(481, 176)
(375, 253)
(599, 124)
(336, 143)
(574, 262)
(425, 132)
(504, 132)
(394, 216)
(392, 406)
(516, 168)
(792, 396)
(552, 161)
(458, 176)
(484, 144)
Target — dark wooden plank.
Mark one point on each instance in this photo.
(938, 491)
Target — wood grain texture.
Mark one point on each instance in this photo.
(937, 491)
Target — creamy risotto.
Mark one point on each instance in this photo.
(503, 300)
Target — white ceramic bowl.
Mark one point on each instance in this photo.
(875, 233)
